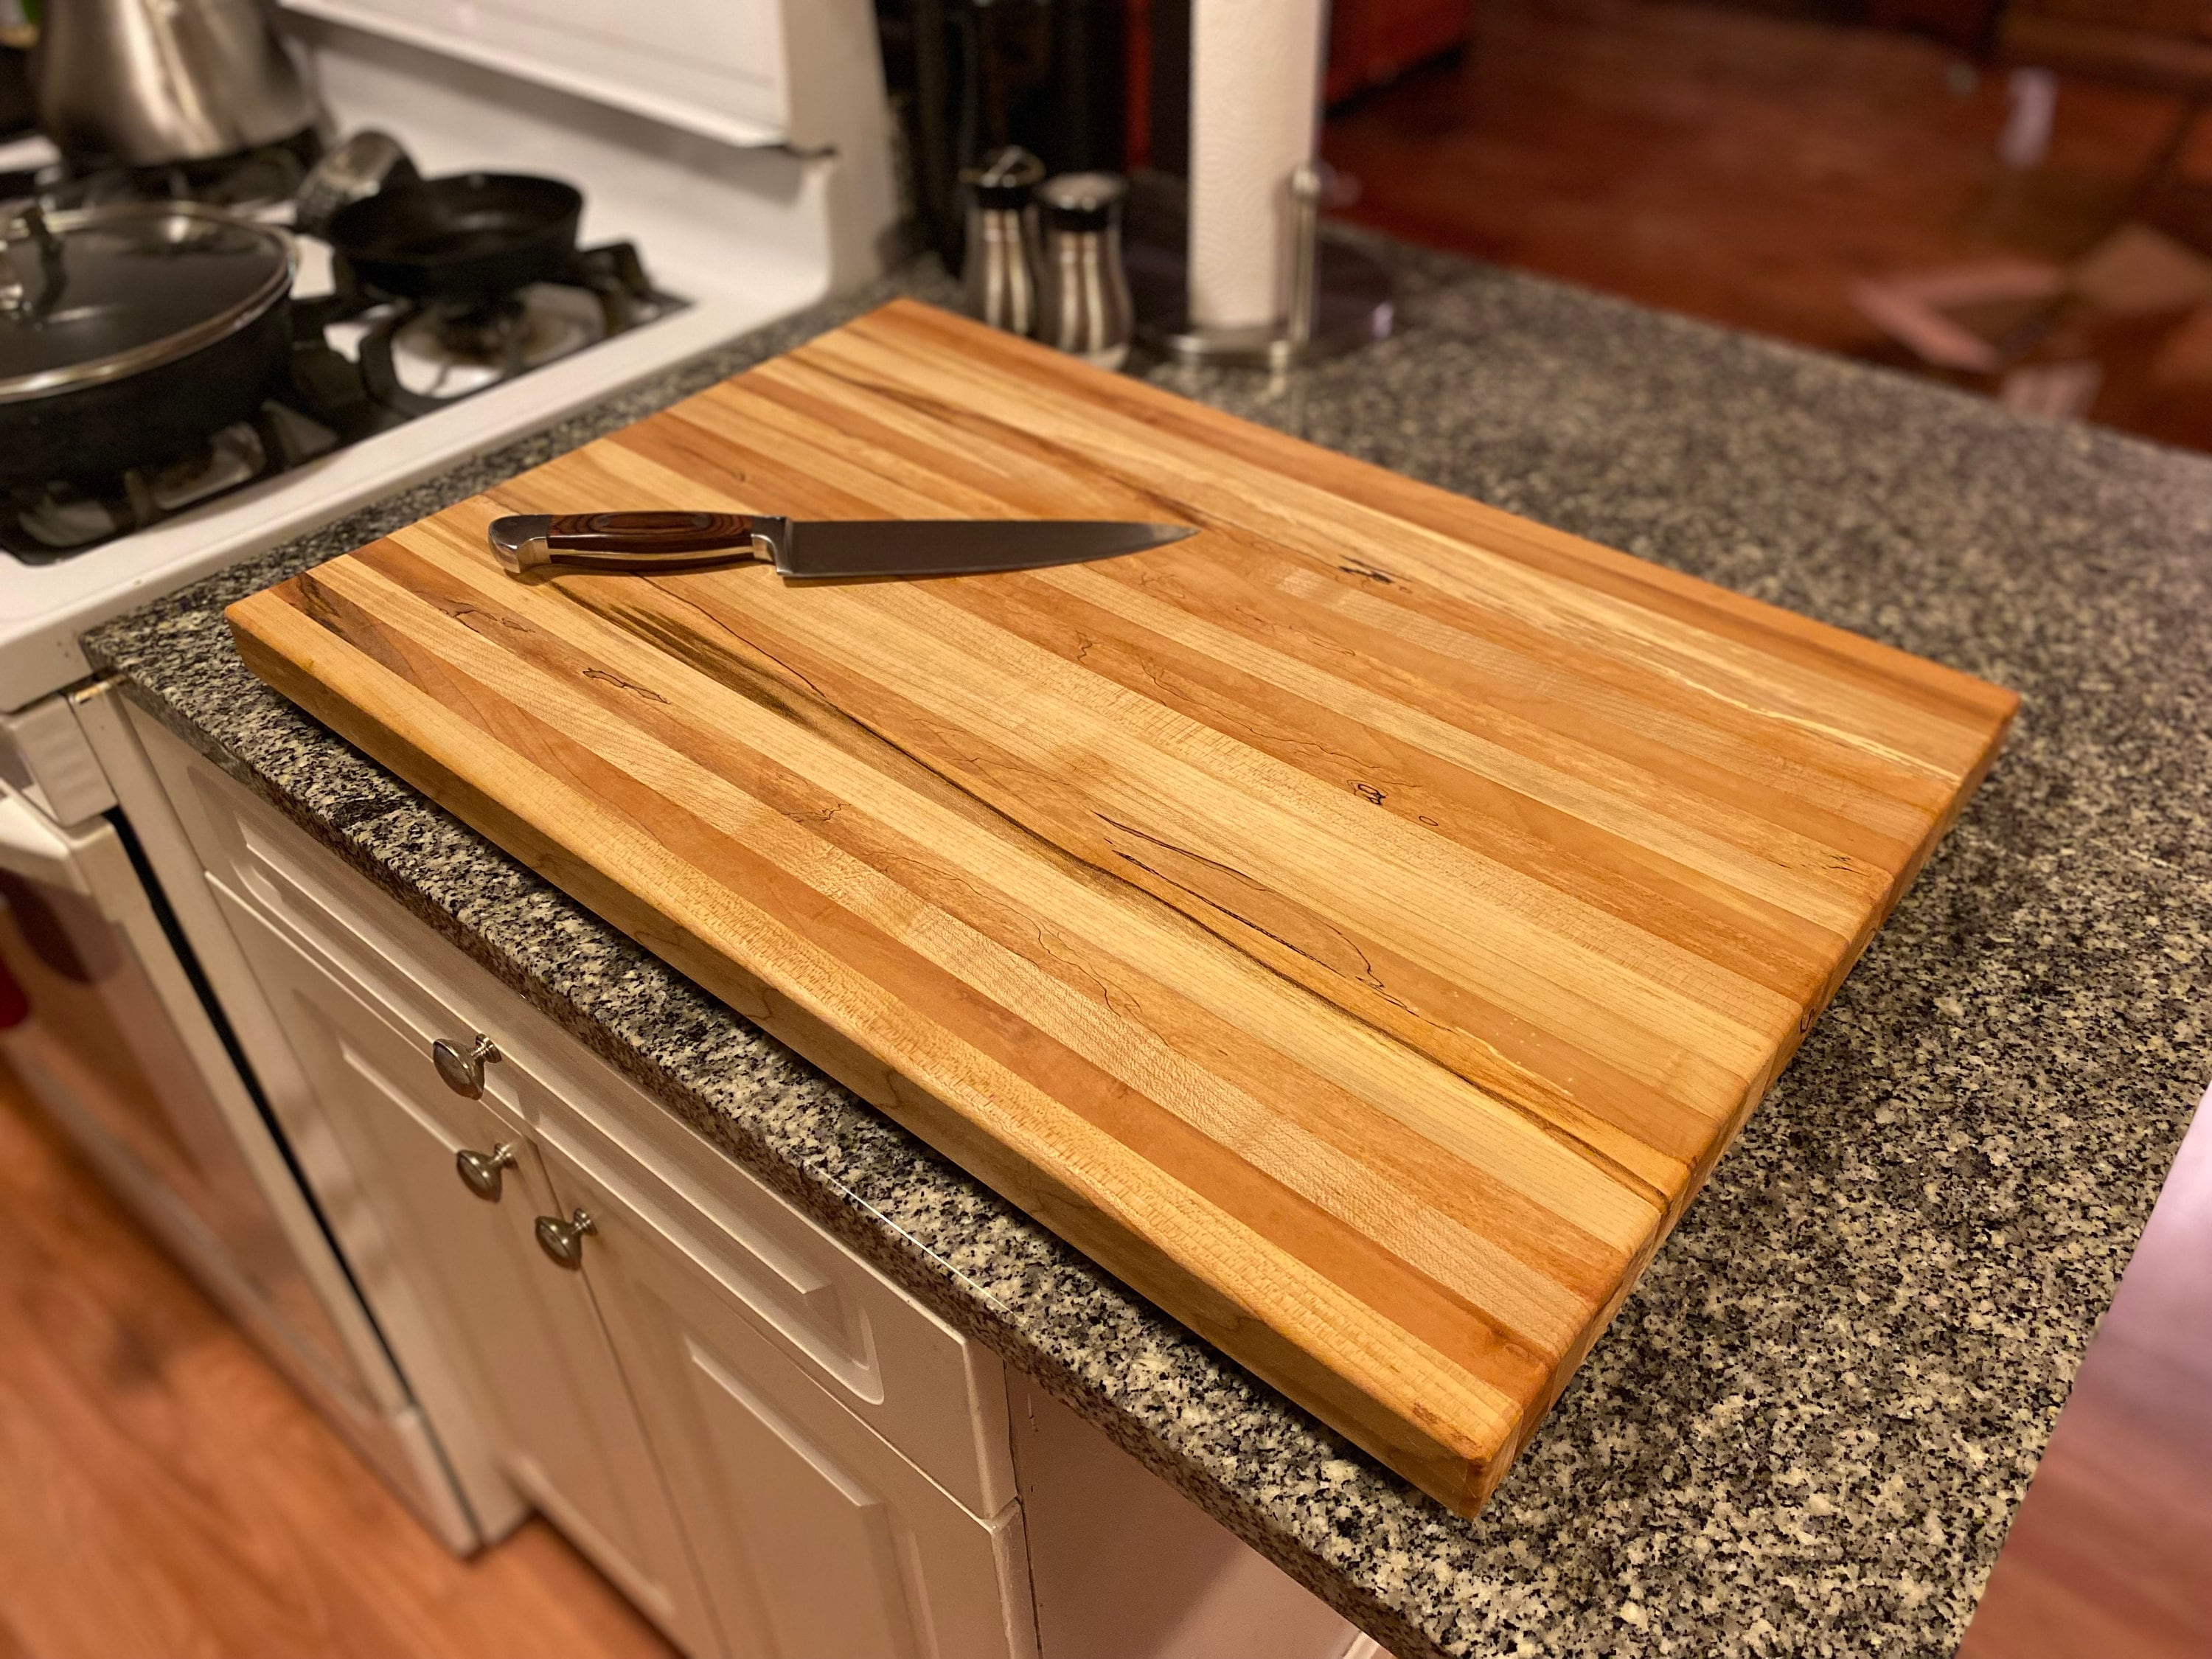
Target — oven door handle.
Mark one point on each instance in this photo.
(32, 848)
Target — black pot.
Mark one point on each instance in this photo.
(464, 239)
(140, 329)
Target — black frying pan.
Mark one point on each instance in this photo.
(467, 237)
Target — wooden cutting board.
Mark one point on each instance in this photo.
(1359, 925)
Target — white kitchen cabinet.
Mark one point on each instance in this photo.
(818, 1539)
(912, 1379)
(548, 1398)
(812, 1535)
(934, 1394)
(774, 1449)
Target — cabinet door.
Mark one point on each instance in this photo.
(521, 1333)
(816, 1538)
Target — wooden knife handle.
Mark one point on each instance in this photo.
(653, 534)
(648, 542)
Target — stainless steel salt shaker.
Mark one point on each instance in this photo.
(1087, 310)
(1001, 272)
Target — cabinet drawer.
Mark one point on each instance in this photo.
(936, 1397)
(928, 1390)
(813, 1535)
(522, 1341)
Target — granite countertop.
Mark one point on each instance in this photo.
(1808, 1428)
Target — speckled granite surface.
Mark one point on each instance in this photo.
(1808, 1428)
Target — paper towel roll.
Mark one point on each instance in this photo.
(1255, 112)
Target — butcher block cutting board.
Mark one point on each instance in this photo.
(1359, 925)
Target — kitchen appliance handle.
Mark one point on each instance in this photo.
(633, 541)
(35, 849)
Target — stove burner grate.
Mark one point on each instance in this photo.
(407, 361)
(250, 182)
(418, 358)
(41, 523)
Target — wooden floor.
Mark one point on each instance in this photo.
(2110, 1557)
(164, 1494)
(1749, 169)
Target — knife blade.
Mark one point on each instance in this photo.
(813, 549)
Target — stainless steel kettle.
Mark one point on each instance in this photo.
(151, 83)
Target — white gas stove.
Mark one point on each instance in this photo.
(734, 161)
(741, 150)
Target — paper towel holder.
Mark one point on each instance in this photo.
(1341, 299)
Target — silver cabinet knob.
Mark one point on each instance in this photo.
(462, 1069)
(480, 1171)
(563, 1240)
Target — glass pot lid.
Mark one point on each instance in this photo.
(95, 294)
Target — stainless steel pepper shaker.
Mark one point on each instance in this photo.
(1001, 272)
(1087, 310)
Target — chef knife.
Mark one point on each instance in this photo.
(813, 548)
